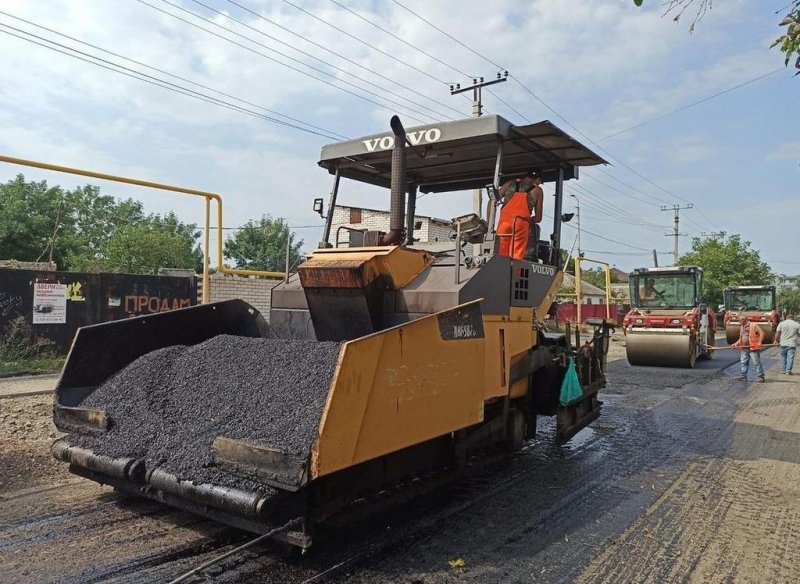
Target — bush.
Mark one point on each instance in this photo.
(21, 352)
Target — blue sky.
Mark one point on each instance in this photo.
(604, 65)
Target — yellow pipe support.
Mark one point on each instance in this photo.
(206, 249)
(607, 270)
(164, 187)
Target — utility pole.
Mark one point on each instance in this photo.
(676, 233)
(655, 259)
(477, 111)
(578, 218)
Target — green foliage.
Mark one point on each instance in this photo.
(261, 245)
(789, 298)
(95, 232)
(726, 261)
(156, 242)
(27, 219)
(788, 43)
(22, 353)
(597, 277)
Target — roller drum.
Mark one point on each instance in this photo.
(769, 333)
(661, 350)
(732, 333)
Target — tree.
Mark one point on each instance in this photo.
(94, 218)
(93, 232)
(261, 245)
(726, 261)
(789, 298)
(597, 277)
(158, 242)
(28, 212)
(788, 42)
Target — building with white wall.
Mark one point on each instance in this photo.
(426, 229)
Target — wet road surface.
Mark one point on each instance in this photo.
(688, 475)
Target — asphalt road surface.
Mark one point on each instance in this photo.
(688, 476)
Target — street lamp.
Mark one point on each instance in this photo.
(578, 218)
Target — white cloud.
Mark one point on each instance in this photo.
(602, 63)
(785, 151)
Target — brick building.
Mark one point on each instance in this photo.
(426, 229)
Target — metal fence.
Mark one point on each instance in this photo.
(56, 304)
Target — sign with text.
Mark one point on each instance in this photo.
(49, 303)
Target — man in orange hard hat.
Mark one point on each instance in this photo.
(751, 337)
(521, 196)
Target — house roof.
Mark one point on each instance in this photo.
(587, 289)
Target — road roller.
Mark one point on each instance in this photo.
(383, 371)
(668, 324)
(757, 303)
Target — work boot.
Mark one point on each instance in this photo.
(789, 373)
(743, 377)
(761, 380)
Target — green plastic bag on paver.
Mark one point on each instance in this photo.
(571, 391)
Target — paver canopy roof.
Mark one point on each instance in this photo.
(461, 155)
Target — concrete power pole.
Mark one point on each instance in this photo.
(477, 111)
(676, 232)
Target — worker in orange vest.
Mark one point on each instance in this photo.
(521, 197)
(751, 337)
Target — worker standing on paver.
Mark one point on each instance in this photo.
(788, 337)
(521, 197)
(750, 340)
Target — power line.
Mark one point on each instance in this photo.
(611, 207)
(307, 54)
(448, 35)
(363, 42)
(622, 243)
(150, 79)
(621, 162)
(279, 62)
(241, 227)
(402, 40)
(341, 56)
(687, 106)
(163, 72)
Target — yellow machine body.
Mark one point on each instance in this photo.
(403, 386)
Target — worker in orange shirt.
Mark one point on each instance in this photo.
(521, 196)
(750, 340)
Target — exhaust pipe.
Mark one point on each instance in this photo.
(398, 188)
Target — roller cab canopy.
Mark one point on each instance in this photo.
(462, 155)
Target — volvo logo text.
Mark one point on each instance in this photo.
(414, 138)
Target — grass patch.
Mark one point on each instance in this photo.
(21, 353)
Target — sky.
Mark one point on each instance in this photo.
(598, 69)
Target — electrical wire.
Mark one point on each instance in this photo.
(339, 55)
(402, 40)
(363, 42)
(178, 77)
(690, 105)
(448, 35)
(605, 150)
(279, 62)
(307, 54)
(151, 80)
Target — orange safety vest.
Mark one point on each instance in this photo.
(514, 226)
(756, 337)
